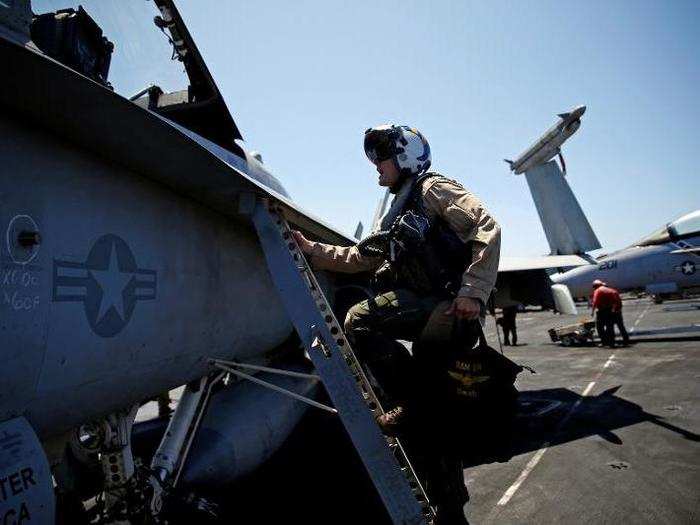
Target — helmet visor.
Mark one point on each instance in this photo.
(380, 144)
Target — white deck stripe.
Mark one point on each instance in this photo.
(640, 316)
(609, 361)
(588, 389)
(523, 475)
(508, 494)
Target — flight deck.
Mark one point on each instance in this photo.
(623, 445)
(604, 435)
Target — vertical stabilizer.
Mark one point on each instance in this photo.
(358, 231)
(379, 212)
(565, 225)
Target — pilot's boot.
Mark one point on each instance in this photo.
(446, 516)
(391, 372)
(446, 487)
(394, 422)
(449, 516)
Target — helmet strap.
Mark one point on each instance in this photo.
(404, 175)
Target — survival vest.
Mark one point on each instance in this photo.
(422, 253)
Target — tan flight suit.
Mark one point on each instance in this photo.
(373, 327)
(402, 314)
(465, 215)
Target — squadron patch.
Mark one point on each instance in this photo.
(109, 284)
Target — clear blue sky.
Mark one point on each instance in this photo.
(482, 81)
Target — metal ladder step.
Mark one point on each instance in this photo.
(336, 364)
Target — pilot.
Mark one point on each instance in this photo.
(436, 242)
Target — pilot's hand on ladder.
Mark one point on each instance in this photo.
(304, 243)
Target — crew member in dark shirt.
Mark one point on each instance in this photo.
(507, 322)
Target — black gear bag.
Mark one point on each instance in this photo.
(477, 372)
(461, 367)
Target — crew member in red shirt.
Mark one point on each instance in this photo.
(607, 302)
(617, 319)
(601, 307)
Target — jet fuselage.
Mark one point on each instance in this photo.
(130, 289)
(654, 269)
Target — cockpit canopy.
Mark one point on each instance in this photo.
(686, 226)
(148, 53)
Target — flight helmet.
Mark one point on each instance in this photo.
(407, 146)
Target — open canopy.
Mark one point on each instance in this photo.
(686, 226)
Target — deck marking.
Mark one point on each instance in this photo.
(508, 494)
(588, 389)
(523, 475)
(640, 317)
(609, 361)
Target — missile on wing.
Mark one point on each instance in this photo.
(549, 144)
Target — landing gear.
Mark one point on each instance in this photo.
(118, 461)
(131, 491)
(109, 442)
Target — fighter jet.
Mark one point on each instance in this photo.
(660, 264)
(128, 268)
(664, 263)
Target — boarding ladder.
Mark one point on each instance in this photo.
(336, 365)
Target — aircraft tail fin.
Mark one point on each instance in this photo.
(381, 209)
(358, 230)
(565, 225)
